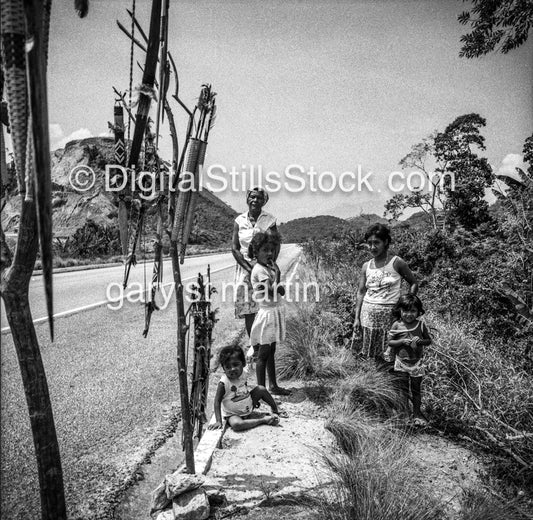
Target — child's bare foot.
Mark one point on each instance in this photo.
(272, 420)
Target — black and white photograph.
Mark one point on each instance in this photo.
(266, 260)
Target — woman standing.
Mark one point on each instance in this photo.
(379, 291)
(246, 226)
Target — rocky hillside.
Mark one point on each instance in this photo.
(72, 209)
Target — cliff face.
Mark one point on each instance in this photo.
(73, 208)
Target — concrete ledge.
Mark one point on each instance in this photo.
(209, 442)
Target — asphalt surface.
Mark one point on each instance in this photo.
(77, 289)
(114, 394)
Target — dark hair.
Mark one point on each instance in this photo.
(228, 351)
(379, 230)
(262, 238)
(405, 302)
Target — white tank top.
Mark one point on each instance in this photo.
(383, 284)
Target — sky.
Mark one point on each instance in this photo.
(303, 89)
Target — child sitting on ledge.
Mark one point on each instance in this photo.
(234, 401)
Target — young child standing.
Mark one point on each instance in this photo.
(268, 328)
(407, 338)
(234, 401)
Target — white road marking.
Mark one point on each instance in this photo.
(70, 312)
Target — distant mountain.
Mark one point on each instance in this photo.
(325, 226)
(213, 221)
(364, 221)
(417, 221)
(322, 226)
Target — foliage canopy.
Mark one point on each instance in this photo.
(496, 25)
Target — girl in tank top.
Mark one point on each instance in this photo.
(379, 291)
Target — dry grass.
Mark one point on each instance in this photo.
(309, 350)
(472, 390)
(480, 505)
(352, 428)
(372, 391)
(374, 476)
(478, 374)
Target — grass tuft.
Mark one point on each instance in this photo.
(309, 350)
(352, 427)
(372, 391)
(480, 505)
(374, 475)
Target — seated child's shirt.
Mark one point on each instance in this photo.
(237, 399)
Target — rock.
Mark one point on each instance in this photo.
(178, 483)
(159, 499)
(211, 482)
(192, 505)
(167, 514)
(216, 497)
(215, 492)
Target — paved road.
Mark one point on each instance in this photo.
(77, 289)
(114, 394)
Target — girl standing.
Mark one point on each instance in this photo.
(407, 338)
(378, 292)
(245, 226)
(268, 328)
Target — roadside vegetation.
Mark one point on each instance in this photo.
(477, 286)
(96, 244)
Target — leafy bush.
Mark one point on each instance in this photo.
(467, 274)
(93, 239)
(480, 382)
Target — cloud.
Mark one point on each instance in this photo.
(509, 164)
(81, 133)
(508, 167)
(59, 140)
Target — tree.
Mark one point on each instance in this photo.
(427, 200)
(455, 176)
(495, 22)
(468, 174)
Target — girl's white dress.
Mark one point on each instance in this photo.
(269, 323)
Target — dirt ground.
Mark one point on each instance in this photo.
(277, 472)
(275, 467)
